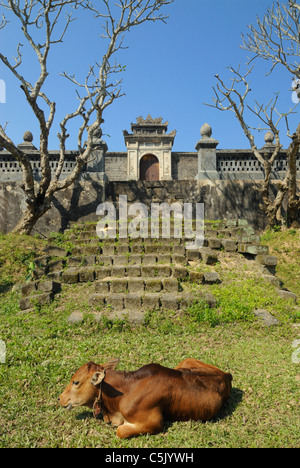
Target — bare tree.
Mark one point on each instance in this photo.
(233, 97)
(51, 19)
(276, 39)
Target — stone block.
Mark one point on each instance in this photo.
(268, 319)
(193, 255)
(29, 288)
(208, 256)
(136, 285)
(149, 271)
(97, 300)
(75, 318)
(153, 285)
(253, 249)
(163, 271)
(108, 250)
(287, 295)
(102, 287)
(55, 276)
(170, 285)
(53, 251)
(118, 271)
(133, 301)
(72, 262)
(119, 286)
(179, 272)
(179, 259)
(212, 278)
(102, 272)
(56, 265)
(149, 260)
(38, 299)
(105, 260)
(70, 276)
(122, 249)
(135, 260)
(179, 249)
(133, 271)
(87, 274)
(267, 260)
(120, 260)
(49, 286)
(229, 245)
(196, 277)
(89, 260)
(151, 302)
(137, 249)
(214, 243)
(115, 301)
(186, 299)
(170, 302)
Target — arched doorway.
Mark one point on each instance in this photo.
(149, 168)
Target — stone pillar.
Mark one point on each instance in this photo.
(207, 155)
(96, 164)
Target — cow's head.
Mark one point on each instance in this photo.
(83, 388)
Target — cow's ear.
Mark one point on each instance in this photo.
(97, 378)
(112, 364)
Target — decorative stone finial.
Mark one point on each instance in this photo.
(28, 137)
(269, 138)
(206, 131)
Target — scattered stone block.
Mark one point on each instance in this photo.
(75, 318)
(268, 319)
(38, 299)
(180, 272)
(196, 277)
(212, 278)
(193, 255)
(29, 288)
(253, 249)
(287, 295)
(267, 260)
(214, 243)
(229, 245)
(49, 286)
(208, 256)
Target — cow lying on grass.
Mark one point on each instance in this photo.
(138, 402)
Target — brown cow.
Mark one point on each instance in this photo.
(138, 402)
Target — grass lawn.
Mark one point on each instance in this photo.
(43, 350)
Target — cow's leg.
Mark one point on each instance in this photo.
(149, 423)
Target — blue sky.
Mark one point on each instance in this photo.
(170, 71)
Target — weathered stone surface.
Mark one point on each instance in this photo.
(133, 301)
(287, 295)
(268, 319)
(75, 318)
(153, 285)
(193, 255)
(102, 272)
(149, 260)
(120, 260)
(49, 286)
(118, 286)
(229, 245)
(133, 271)
(214, 243)
(136, 285)
(151, 302)
(253, 249)
(97, 300)
(29, 288)
(208, 256)
(180, 272)
(212, 278)
(169, 302)
(115, 301)
(53, 251)
(102, 287)
(267, 260)
(87, 274)
(196, 277)
(170, 285)
(70, 276)
(38, 299)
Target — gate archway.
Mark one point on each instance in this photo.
(149, 168)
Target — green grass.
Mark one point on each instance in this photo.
(44, 350)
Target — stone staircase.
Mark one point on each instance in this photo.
(133, 276)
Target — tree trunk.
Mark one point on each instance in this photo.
(30, 217)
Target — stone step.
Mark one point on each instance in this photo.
(136, 301)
